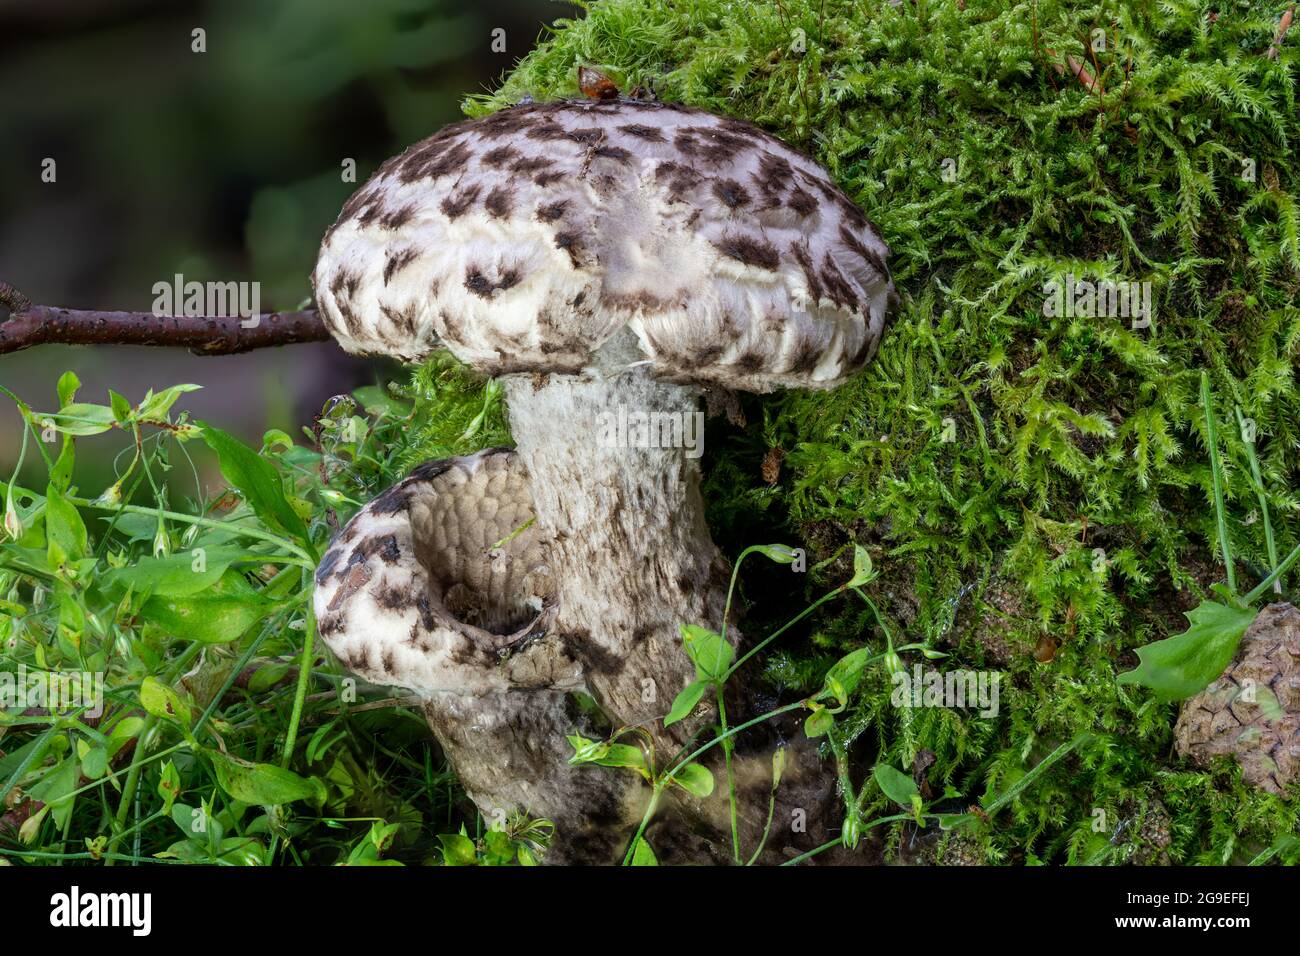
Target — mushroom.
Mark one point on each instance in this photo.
(609, 261)
(433, 586)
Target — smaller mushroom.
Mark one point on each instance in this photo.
(440, 585)
(1252, 711)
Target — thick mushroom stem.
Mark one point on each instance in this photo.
(628, 543)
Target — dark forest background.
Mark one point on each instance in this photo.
(222, 166)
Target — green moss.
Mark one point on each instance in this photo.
(1068, 434)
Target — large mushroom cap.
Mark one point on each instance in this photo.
(526, 239)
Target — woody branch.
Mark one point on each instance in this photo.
(29, 325)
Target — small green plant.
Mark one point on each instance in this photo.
(715, 664)
(218, 734)
(1181, 666)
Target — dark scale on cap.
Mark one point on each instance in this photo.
(438, 160)
(481, 285)
(571, 243)
(403, 319)
(500, 156)
(837, 287)
(552, 211)
(731, 193)
(750, 251)
(803, 256)
(616, 153)
(640, 131)
(327, 563)
(807, 355)
(858, 246)
(397, 218)
(680, 179)
(499, 202)
(708, 145)
(455, 204)
(774, 174)
(802, 201)
(396, 499)
(398, 259)
(532, 164)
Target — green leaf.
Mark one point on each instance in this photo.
(586, 751)
(622, 755)
(157, 406)
(161, 701)
(65, 532)
(181, 574)
(642, 855)
(79, 418)
(1183, 665)
(695, 779)
(457, 849)
(862, 568)
(376, 400)
(217, 615)
(169, 786)
(257, 479)
(895, 784)
(67, 388)
(263, 783)
(848, 670)
(264, 678)
(819, 722)
(121, 407)
(684, 703)
(709, 651)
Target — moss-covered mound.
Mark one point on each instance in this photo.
(1030, 477)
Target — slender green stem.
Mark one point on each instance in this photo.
(1258, 481)
(767, 827)
(729, 734)
(226, 526)
(132, 783)
(667, 778)
(781, 630)
(731, 775)
(831, 844)
(731, 589)
(655, 791)
(1216, 473)
(1281, 569)
(304, 679)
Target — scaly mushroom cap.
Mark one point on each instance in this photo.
(1252, 712)
(414, 592)
(525, 239)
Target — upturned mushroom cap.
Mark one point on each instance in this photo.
(526, 239)
(414, 592)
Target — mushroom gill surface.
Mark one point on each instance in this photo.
(440, 584)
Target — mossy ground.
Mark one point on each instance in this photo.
(989, 172)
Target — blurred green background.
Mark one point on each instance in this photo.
(224, 165)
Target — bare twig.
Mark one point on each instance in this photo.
(1283, 25)
(30, 325)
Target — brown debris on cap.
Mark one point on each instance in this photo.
(525, 239)
(420, 591)
(1252, 712)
